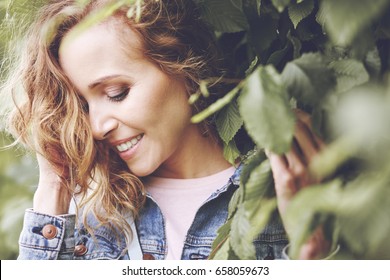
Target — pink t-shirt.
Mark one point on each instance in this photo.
(179, 200)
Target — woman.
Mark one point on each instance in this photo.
(107, 113)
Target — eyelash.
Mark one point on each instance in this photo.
(119, 97)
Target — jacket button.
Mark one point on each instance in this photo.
(148, 257)
(49, 231)
(80, 250)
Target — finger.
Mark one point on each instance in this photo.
(284, 181)
(305, 141)
(306, 119)
(297, 166)
(295, 157)
(316, 246)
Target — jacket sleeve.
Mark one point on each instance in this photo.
(46, 237)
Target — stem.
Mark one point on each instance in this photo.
(218, 105)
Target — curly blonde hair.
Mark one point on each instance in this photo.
(50, 119)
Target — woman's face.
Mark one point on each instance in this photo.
(134, 107)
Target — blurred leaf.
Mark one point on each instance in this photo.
(264, 107)
(331, 158)
(261, 213)
(363, 212)
(308, 78)
(345, 19)
(304, 209)
(18, 178)
(349, 73)
(373, 63)
(242, 244)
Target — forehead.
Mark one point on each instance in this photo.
(101, 38)
(101, 50)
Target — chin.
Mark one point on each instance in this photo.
(141, 171)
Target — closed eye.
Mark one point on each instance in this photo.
(120, 96)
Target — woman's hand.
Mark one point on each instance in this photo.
(52, 196)
(291, 174)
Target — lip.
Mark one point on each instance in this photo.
(128, 154)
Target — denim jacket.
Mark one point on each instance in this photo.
(55, 237)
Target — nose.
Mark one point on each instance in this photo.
(102, 122)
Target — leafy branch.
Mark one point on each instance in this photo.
(333, 62)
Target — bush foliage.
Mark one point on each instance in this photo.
(328, 58)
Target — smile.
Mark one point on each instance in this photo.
(129, 144)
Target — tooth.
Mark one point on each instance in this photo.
(124, 146)
(139, 137)
(134, 141)
(119, 148)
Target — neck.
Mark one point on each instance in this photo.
(198, 156)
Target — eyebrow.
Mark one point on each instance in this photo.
(102, 81)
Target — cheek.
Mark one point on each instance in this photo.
(171, 106)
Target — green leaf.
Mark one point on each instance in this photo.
(223, 252)
(252, 5)
(276, 57)
(235, 201)
(229, 122)
(260, 215)
(262, 32)
(265, 109)
(259, 184)
(349, 73)
(259, 201)
(345, 19)
(231, 152)
(220, 241)
(302, 214)
(299, 11)
(224, 16)
(254, 159)
(361, 208)
(296, 43)
(308, 78)
(242, 244)
(280, 5)
(336, 154)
